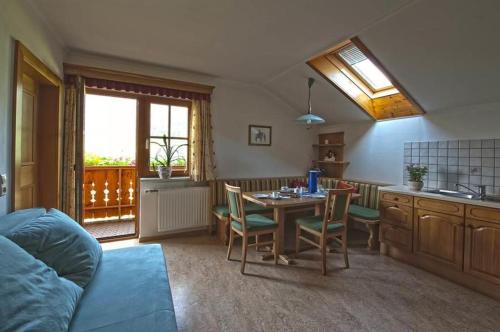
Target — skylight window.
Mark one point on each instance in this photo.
(362, 78)
(353, 57)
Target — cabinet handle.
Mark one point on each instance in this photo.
(396, 199)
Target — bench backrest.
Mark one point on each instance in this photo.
(369, 192)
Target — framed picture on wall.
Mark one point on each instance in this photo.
(259, 135)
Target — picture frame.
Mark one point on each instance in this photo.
(259, 135)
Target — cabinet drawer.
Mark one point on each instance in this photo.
(396, 214)
(435, 205)
(397, 198)
(395, 236)
(482, 213)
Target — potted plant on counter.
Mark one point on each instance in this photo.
(166, 157)
(416, 175)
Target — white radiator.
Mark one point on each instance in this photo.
(183, 208)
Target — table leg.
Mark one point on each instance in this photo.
(279, 217)
(318, 209)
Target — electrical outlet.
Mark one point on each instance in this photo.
(3, 185)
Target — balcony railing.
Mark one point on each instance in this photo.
(109, 193)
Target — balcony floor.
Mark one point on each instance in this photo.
(111, 229)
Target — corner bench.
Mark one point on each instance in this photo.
(364, 211)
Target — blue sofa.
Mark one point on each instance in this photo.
(116, 290)
(129, 292)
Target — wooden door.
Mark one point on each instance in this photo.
(439, 236)
(482, 250)
(26, 165)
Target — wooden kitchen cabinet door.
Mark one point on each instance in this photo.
(396, 214)
(482, 249)
(440, 237)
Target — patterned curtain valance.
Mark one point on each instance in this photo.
(141, 89)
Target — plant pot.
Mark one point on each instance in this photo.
(164, 172)
(415, 186)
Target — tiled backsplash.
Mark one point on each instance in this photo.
(468, 162)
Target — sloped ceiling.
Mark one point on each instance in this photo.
(444, 52)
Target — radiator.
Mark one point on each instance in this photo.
(183, 208)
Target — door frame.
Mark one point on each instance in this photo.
(48, 142)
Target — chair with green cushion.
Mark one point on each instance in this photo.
(247, 226)
(221, 212)
(330, 226)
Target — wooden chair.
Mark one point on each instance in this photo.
(331, 226)
(247, 226)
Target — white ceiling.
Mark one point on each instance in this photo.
(444, 52)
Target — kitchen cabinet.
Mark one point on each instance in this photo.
(482, 243)
(439, 237)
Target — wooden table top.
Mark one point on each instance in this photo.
(286, 202)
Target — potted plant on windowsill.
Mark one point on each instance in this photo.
(416, 175)
(166, 157)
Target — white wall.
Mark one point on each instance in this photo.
(17, 23)
(235, 105)
(375, 149)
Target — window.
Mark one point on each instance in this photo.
(168, 135)
(353, 57)
(355, 71)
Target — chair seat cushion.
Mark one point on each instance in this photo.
(250, 208)
(255, 222)
(316, 223)
(363, 212)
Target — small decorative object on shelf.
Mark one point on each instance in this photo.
(330, 156)
(165, 157)
(416, 175)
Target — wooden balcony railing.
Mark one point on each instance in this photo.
(109, 193)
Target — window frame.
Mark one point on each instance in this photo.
(360, 77)
(145, 136)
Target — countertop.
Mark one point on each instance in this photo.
(406, 191)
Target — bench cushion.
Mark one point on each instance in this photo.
(250, 208)
(316, 223)
(363, 212)
(255, 222)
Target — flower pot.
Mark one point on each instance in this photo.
(164, 172)
(415, 186)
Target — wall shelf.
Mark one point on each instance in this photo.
(338, 145)
(338, 163)
(335, 143)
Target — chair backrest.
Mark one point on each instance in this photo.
(336, 207)
(235, 203)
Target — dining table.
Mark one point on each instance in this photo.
(282, 205)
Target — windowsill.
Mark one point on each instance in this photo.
(174, 179)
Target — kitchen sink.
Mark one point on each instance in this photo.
(453, 193)
(492, 199)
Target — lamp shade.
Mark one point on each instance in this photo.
(310, 119)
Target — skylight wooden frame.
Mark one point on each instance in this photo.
(388, 103)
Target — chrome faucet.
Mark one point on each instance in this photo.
(481, 192)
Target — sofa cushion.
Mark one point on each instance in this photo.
(363, 212)
(250, 208)
(255, 222)
(316, 224)
(32, 296)
(130, 292)
(15, 220)
(61, 243)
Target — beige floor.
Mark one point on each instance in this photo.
(376, 294)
